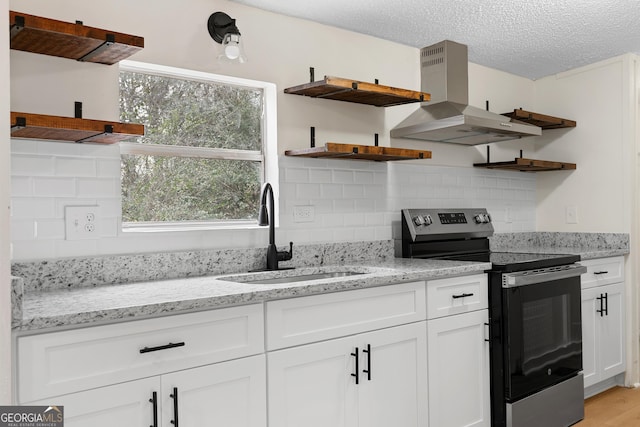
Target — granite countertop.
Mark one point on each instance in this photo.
(86, 291)
(120, 302)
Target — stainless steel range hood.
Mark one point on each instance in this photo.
(448, 117)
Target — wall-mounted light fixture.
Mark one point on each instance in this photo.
(223, 30)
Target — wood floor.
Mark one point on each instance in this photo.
(617, 407)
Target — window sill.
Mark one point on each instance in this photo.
(155, 227)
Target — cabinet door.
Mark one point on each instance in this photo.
(230, 394)
(394, 390)
(458, 373)
(312, 386)
(590, 327)
(612, 335)
(126, 405)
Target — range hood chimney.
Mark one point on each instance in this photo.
(449, 117)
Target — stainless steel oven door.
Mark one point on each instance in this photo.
(542, 328)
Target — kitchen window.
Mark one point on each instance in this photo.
(209, 144)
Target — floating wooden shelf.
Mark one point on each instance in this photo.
(39, 126)
(362, 152)
(340, 89)
(74, 41)
(528, 165)
(541, 120)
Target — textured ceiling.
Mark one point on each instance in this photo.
(533, 38)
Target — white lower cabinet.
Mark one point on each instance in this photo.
(459, 371)
(603, 352)
(370, 379)
(458, 352)
(230, 394)
(126, 404)
(603, 323)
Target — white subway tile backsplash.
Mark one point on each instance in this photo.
(343, 177)
(108, 168)
(32, 165)
(352, 200)
(50, 229)
(21, 186)
(24, 146)
(98, 187)
(320, 176)
(308, 191)
(296, 175)
(353, 191)
(23, 229)
(54, 187)
(362, 177)
(32, 207)
(331, 191)
(75, 166)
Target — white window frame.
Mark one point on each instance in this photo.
(268, 156)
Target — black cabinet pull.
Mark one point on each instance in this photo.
(601, 299)
(600, 272)
(154, 402)
(461, 296)
(356, 355)
(606, 304)
(174, 396)
(161, 347)
(488, 331)
(368, 370)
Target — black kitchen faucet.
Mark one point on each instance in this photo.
(268, 218)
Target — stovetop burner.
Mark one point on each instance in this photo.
(515, 261)
(462, 235)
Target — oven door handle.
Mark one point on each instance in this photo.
(532, 277)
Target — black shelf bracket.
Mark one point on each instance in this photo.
(110, 40)
(375, 139)
(77, 110)
(312, 74)
(21, 122)
(312, 136)
(17, 26)
(108, 129)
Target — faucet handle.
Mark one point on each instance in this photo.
(286, 255)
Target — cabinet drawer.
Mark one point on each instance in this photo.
(320, 317)
(602, 271)
(63, 362)
(457, 295)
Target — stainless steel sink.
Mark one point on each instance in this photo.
(293, 279)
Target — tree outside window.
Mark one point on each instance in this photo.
(202, 156)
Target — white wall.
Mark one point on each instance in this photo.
(48, 175)
(597, 97)
(5, 299)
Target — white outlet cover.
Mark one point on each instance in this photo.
(82, 222)
(303, 213)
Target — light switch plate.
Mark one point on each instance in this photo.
(81, 222)
(572, 215)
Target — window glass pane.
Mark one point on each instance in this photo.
(156, 188)
(193, 113)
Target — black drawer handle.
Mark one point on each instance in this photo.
(356, 374)
(161, 347)
(154, 402)
(600, 272)
(461, 296)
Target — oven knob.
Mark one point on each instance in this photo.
(418, 220)
(488, 217)
(478, 218)
(428, 220)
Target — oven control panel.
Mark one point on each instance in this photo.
(446, 224)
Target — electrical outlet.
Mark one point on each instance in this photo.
(81, 222)
(572, 215)
(303, 214)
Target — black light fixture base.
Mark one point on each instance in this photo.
(219, 24)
